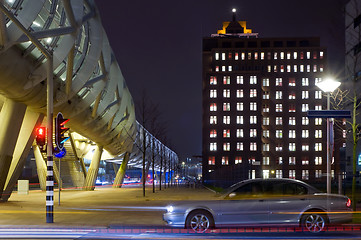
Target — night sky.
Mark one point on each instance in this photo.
(158, 45)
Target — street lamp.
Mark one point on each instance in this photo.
(328, 86)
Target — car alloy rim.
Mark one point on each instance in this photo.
(315, 223)
(200, 223)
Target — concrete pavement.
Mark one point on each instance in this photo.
(103, 207)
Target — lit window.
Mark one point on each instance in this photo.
(318, 160)
(239, 133)
(314, 68)
(302, 68)
(266, 133)
(305, 175)
(292, 161)
(292, 121)
(292, 82)
(229, 55)
(278, 120)
(318, 147)
(225, 160)
(223, 56)
(304, 94)
(265, 121)
(226, 107)
(305, 133)
(292, 108)
(308, 55)
(301, 55)
(226, 119)
(265, 108)
(265, 82)
(213, 146)
(265, 160)
(236, 56)
(213, 120)
(282, 55)
(213, 80)
(239, 93)
(317, 80)
(292, 174)
(318, 94)
(278, 133)
(226, 80)
(213, 107)
(253, 146)
(216, 55)
(239, 146)
(226, 133)
(275, 56)
(211, 160)
(279, 173)
(243, 56)
(238, 160)
(321, 68)
(288, 68)
(292, 95)
(305, 121)
(253, 93)
(321, 55)
(253, 132)
(262, 55)
(314, 55)
(288, 55)
(282, 68)
(292, 133)
(278, 94)
(253, 80)
(304, 107)
(318, 121)
(217, 68)
(318, 107)
(239, 120)
(318, 173)
(253, 119)
(305, 147)
(226, 146)
(256, 56)
(239, 80)
(279, 160)
(295, 68)
(240, 106)
(279, 107)
(344, 133)
(265, 173)
(294, 55)
(213, 133)
(275, 68)
(308, 68)
(269, 68)
(226, 93)
(223, 68)
(249, 56)
(253, 106)
(265, 147)
(279, 147)
(305, 82)
(213, 93)
(230, 68)
(292, 147)
(279, 82)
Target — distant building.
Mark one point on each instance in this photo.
(256, 93)
(353, 71)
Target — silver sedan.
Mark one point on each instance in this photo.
(263, 201)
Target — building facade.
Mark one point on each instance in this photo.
(256, 94)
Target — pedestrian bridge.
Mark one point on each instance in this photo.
(89, 89)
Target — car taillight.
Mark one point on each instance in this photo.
(348, 203)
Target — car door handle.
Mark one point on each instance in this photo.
(261, 200)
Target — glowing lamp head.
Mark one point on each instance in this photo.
(234, 10)
(328, 85)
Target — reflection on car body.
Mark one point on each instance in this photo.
(263, 201)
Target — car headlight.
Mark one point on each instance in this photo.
(170, 209)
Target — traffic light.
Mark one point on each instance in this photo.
(60, 130)
(41, 137)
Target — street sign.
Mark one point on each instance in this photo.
(329, 113)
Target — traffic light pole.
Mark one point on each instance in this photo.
(49, 56)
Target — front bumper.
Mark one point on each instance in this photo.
(174, 219)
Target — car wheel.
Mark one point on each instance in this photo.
(314, 222)
(199, 221)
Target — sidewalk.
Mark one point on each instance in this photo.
(103, 207)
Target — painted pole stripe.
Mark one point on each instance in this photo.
(50, 193)
(50, 173)
(50, 183)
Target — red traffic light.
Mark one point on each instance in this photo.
(41, 136)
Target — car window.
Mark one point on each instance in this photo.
(250, 189)
(294, 189)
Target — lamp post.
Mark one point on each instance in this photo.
(328, 86)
